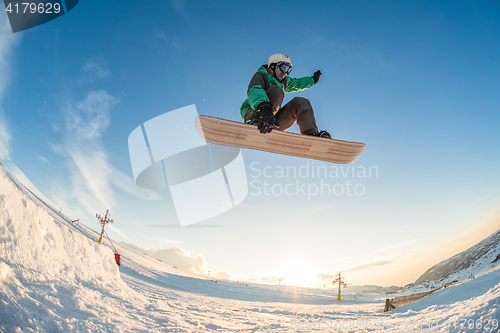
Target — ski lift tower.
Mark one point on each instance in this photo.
(341, 282)
(103, 220)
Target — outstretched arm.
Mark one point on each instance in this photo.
(302, 83)
(299, 84)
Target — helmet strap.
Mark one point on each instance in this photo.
(272, 68)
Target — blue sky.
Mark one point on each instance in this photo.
(417, 81)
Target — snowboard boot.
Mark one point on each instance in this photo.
(322, 134)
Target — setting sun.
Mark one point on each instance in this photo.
(297, 273)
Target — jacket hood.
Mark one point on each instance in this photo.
(262, 69)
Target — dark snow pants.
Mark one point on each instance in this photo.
(298, 110)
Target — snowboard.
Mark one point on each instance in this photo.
(236, 134)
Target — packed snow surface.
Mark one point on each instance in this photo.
(55, 277)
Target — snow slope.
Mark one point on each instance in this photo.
(52, 275)
(55, 277)
(473, 306)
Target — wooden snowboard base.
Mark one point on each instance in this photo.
(231, 133)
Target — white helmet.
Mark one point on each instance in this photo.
(278, 57)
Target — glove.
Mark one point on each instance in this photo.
(316, 76)
(267, 120)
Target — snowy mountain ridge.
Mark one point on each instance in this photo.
(477, 260)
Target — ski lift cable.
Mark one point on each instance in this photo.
(110, 241)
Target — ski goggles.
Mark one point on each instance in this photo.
(284, 67)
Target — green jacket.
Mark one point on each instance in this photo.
(262, 80)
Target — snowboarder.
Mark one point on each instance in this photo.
(266, 92)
